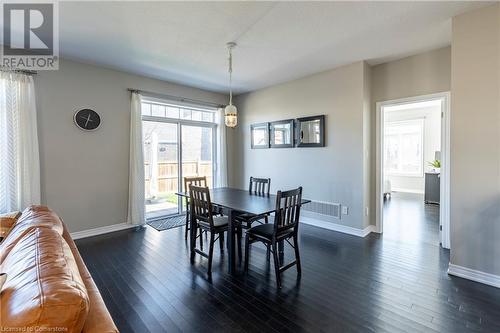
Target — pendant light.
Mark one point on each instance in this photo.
(230, 112)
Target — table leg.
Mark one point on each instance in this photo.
(230, 242)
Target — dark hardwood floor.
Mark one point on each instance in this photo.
(348, 284)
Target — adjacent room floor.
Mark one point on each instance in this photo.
(348, 284)
(408, 219)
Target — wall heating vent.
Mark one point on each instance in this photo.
(324, 208)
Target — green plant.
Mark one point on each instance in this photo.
(435, 164)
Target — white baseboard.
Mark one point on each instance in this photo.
(474, 275)
(335, 226)
(407, 190)
(101, 230)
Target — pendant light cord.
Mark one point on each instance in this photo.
(230, 47)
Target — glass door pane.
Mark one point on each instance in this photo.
(161, 168)
(197, 153)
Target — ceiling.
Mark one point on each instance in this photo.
(184, 42)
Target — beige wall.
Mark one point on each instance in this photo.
(475, 140)
(85, 174)
(421, 74)
(334, 173)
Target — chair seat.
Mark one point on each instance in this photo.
(267, 231)
(219, 221)
(249, 218)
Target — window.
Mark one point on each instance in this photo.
(165, 110)
(403, 148)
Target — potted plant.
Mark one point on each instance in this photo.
(436, 165)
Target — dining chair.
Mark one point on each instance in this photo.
(202, 212)
(257, 186)
(284, 228)
(197, 181)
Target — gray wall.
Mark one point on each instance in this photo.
(475, 140)
(334, 173)
(85, 175)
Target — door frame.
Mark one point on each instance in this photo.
(444, 211)
(180, 123)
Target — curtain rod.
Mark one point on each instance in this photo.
(175, 98)
(20, 71)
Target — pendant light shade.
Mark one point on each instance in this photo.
(230, 112)
(231, 116)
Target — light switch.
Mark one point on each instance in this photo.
(345, 210)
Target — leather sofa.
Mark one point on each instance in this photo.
(48, 286)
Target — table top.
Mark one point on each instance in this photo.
(242, 200)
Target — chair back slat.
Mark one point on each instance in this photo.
(287, 212)
(261, 186)
(200, 204)
(196, 181)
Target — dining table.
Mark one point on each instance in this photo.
(235, 201)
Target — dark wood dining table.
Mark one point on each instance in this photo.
(233, 202)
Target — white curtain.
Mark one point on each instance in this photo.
(136, 196)
(221, 150)
(19, 156)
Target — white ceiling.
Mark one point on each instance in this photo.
(184, 42)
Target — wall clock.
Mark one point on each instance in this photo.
(87, 119)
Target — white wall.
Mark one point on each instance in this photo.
(432, 143)
(85, 174)
(334, 173)
(475, 140)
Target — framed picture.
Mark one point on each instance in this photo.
(259, 135)
(311, 131)
(281, 134)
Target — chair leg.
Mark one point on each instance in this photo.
(266, 219)
(211, 253)
(247, 251)
(276, 264)
(201, 239)
(297, 254)
(268, 252)
(221, 242)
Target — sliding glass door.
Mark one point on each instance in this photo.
(161, 168)
(197, 153)
(178, 142)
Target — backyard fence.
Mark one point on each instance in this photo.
(167, 174)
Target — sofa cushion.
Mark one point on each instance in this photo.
(44, 289)
(32, 217)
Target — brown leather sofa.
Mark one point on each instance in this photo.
(48, 287)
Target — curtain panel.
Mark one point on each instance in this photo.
(19, 152)
(221, 171)
(136, 196)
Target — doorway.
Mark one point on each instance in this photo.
(413, 169)
(178, 142)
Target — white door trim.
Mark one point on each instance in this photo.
(445, 161)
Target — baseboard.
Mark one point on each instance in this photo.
(407, 190)
(336, 227)
(101, 230)
(474, 275)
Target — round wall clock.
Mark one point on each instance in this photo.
(87, 119)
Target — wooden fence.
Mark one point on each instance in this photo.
(167, 174)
